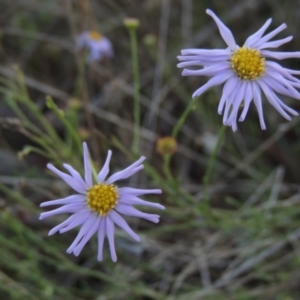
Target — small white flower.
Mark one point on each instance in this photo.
(97, 45)
(245, 73)
(97, 207)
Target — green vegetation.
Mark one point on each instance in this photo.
(231, 228)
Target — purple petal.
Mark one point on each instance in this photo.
(94, 227)
(287, 108)
(101, 236)
(258, 104)
(224, 31)
(269, 36)
(216, 80)
(203, 59)
(229, 86)
(80, 218)
(275, 44)
(73, 183)
(290, 71)
(203, 62)
(137, 192)
(129, 171)
(107, 47)
(116, 218)
(285, 79)
(234, 126)
(208, 71)
(76, 176)
(132, 200)
(190, 63)
(247, 101)
(236, 104)
(283, 105)
(280, 55)
(83, 230)
(284, 85)
(231, 99)
(131, 211)
(81, 40)
(206, 52)
(110, 232)
(275, 67)
(87, 166)
(272, 99)
(124, 174)
(232, 120)
(61, 225)
(105, 169)
(99, 49)
(94, 56)
(281, 85)
(68, 200)
(69, 208)
(252, 39)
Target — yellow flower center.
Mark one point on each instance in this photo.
(248, 64)
(95, 35)
(166, 145)
(102, 198)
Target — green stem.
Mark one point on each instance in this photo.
(61, 115)
(211, 163)
(24, 98)
(136, 95)
(28, 149)
(166, 167)
(175, 131)
(32, 131)
(183, 117)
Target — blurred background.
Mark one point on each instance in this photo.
(243, 244)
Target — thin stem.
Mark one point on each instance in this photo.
(136, 95)
(28, 149)
(60, 114)
(183, 117)
(211, 163)
(166, 167)
(175, 131)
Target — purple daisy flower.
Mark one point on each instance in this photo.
(98, 45)
(245, 72)
(97, 207)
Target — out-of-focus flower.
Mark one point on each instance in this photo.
(74, 103)
(245, 73)
(166, 145)
(150, 40)
(131, 23)
(83, 133)
(98, 207)
(98, 45)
